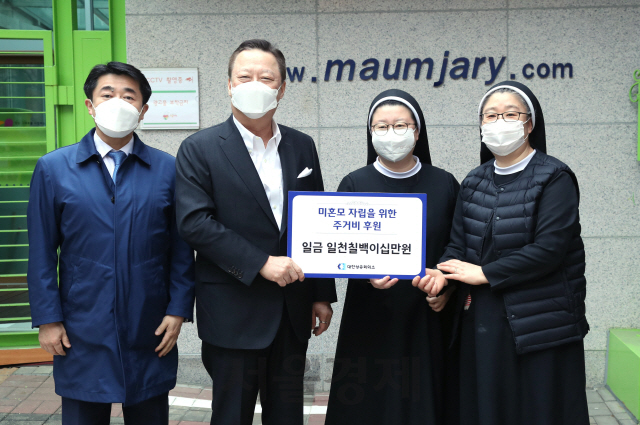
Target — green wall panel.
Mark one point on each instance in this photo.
(90, 48)
(623, 367)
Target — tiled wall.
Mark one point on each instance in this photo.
(590, 122)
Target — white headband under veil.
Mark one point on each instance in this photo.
(515, 89)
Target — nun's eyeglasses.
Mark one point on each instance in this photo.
(507, 116)
(398, 128)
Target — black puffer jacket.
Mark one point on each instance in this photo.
(549, 310)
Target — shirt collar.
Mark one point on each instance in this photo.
(396, 175)
(515, 168)
(103, 148)
(248, 137)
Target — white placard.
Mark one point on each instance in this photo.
(361, 235)
(174, 103)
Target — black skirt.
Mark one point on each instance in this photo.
(500, 387)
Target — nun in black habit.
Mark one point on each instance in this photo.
(389, 361)
(516, 247)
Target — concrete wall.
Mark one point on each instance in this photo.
(590, 122)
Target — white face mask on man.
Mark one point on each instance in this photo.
(394, 147)
(116, 118)
(504, 137)
(254, 99)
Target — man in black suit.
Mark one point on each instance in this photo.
(253, 303)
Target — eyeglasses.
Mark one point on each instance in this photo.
(507, 116)
(399, 128)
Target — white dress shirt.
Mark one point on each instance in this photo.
(267, 163)
(103, 149)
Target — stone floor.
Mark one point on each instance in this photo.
(27, 397)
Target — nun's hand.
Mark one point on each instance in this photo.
(438, 303)
(432, 283)
(322, 312)
(384, 283)
(463, 272)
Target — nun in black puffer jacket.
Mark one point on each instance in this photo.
(516, 250)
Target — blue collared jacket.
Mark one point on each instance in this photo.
(106, 260)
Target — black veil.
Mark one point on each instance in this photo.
(537, 137)
(422, 144)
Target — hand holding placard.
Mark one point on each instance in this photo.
(281, 270)
(384, 283)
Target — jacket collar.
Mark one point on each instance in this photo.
(140, 150)
(87, 148)
(238, 155)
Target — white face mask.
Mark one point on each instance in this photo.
(394, 147)
(116, 118)
(503, 137)
(254, 99)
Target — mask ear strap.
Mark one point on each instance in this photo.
(528, 134)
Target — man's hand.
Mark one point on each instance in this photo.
(52, 337)
(281, 270)
(384, 283)
(323, 312)
(171, 326)
(432, 283)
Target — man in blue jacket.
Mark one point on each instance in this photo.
(110, 280)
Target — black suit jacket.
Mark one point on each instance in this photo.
(224, 214)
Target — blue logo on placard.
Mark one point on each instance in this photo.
(342, 266)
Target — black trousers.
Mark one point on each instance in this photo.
(277, 372)
(154, 411)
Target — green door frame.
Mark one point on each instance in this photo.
(69, 55)
(78, 51)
